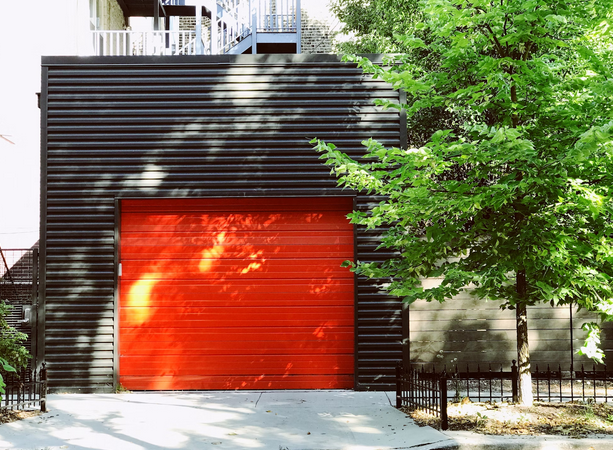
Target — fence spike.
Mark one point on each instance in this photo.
(594, 373)
(606, 379)
(398, 384)
(548, 383)
(514, 382)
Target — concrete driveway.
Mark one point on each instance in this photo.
(271, 420)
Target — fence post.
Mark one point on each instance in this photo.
(398, 385)
(443, 398)
(43, 388)
(514, 380)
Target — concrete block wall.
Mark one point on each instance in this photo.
(111, 15)
(319, 26)
(189, 24)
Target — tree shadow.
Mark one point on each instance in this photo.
(178, 128)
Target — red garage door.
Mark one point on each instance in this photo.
(236, 294)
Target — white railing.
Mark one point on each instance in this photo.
(138, 43)
(235, 22)
(277, 16)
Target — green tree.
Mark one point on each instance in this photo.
(374, 25)
(13, 355)
(511, 194)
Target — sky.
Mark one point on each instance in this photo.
(27, 31)
(22, 42)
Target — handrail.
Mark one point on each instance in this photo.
(277, 16)
(137, 43)
(235, 22)
(188, 46)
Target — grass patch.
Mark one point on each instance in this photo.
(7, 416)
(574, 419)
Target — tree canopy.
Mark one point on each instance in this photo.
(375, 25)
(511, 190)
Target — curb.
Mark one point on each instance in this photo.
(466, 440)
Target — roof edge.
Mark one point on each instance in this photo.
(272, 59)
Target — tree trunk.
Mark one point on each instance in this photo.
(523, 349)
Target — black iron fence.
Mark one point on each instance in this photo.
(26, 389)
(583, 385)
(429, 390)
(423, 390)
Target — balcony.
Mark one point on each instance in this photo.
(139, 43)
(241, 26)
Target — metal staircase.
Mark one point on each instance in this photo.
(266, 21)
(238, 27)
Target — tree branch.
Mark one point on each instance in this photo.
(496, 41)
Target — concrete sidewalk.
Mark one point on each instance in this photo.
(272, 420)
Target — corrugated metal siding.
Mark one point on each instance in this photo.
(189, 127)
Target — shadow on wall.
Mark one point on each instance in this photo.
(197, 131)
(468, 331)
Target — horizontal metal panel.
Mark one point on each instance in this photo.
(99, 331)
(186, 128)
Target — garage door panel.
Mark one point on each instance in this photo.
(191, 293)
(253, 347)
(153, 241)
(144, 320)
(236, 294)
(174, 289)
(240, 299)
(224, 365)
(237, 204)
(239, 251)
(199, 382)
(250, 267)
(228, 223)
(320, 314)
(245, 333)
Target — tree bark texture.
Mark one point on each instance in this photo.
(523, 349)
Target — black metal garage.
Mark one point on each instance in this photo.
(118, 128)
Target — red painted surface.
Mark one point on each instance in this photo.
(236, 294)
